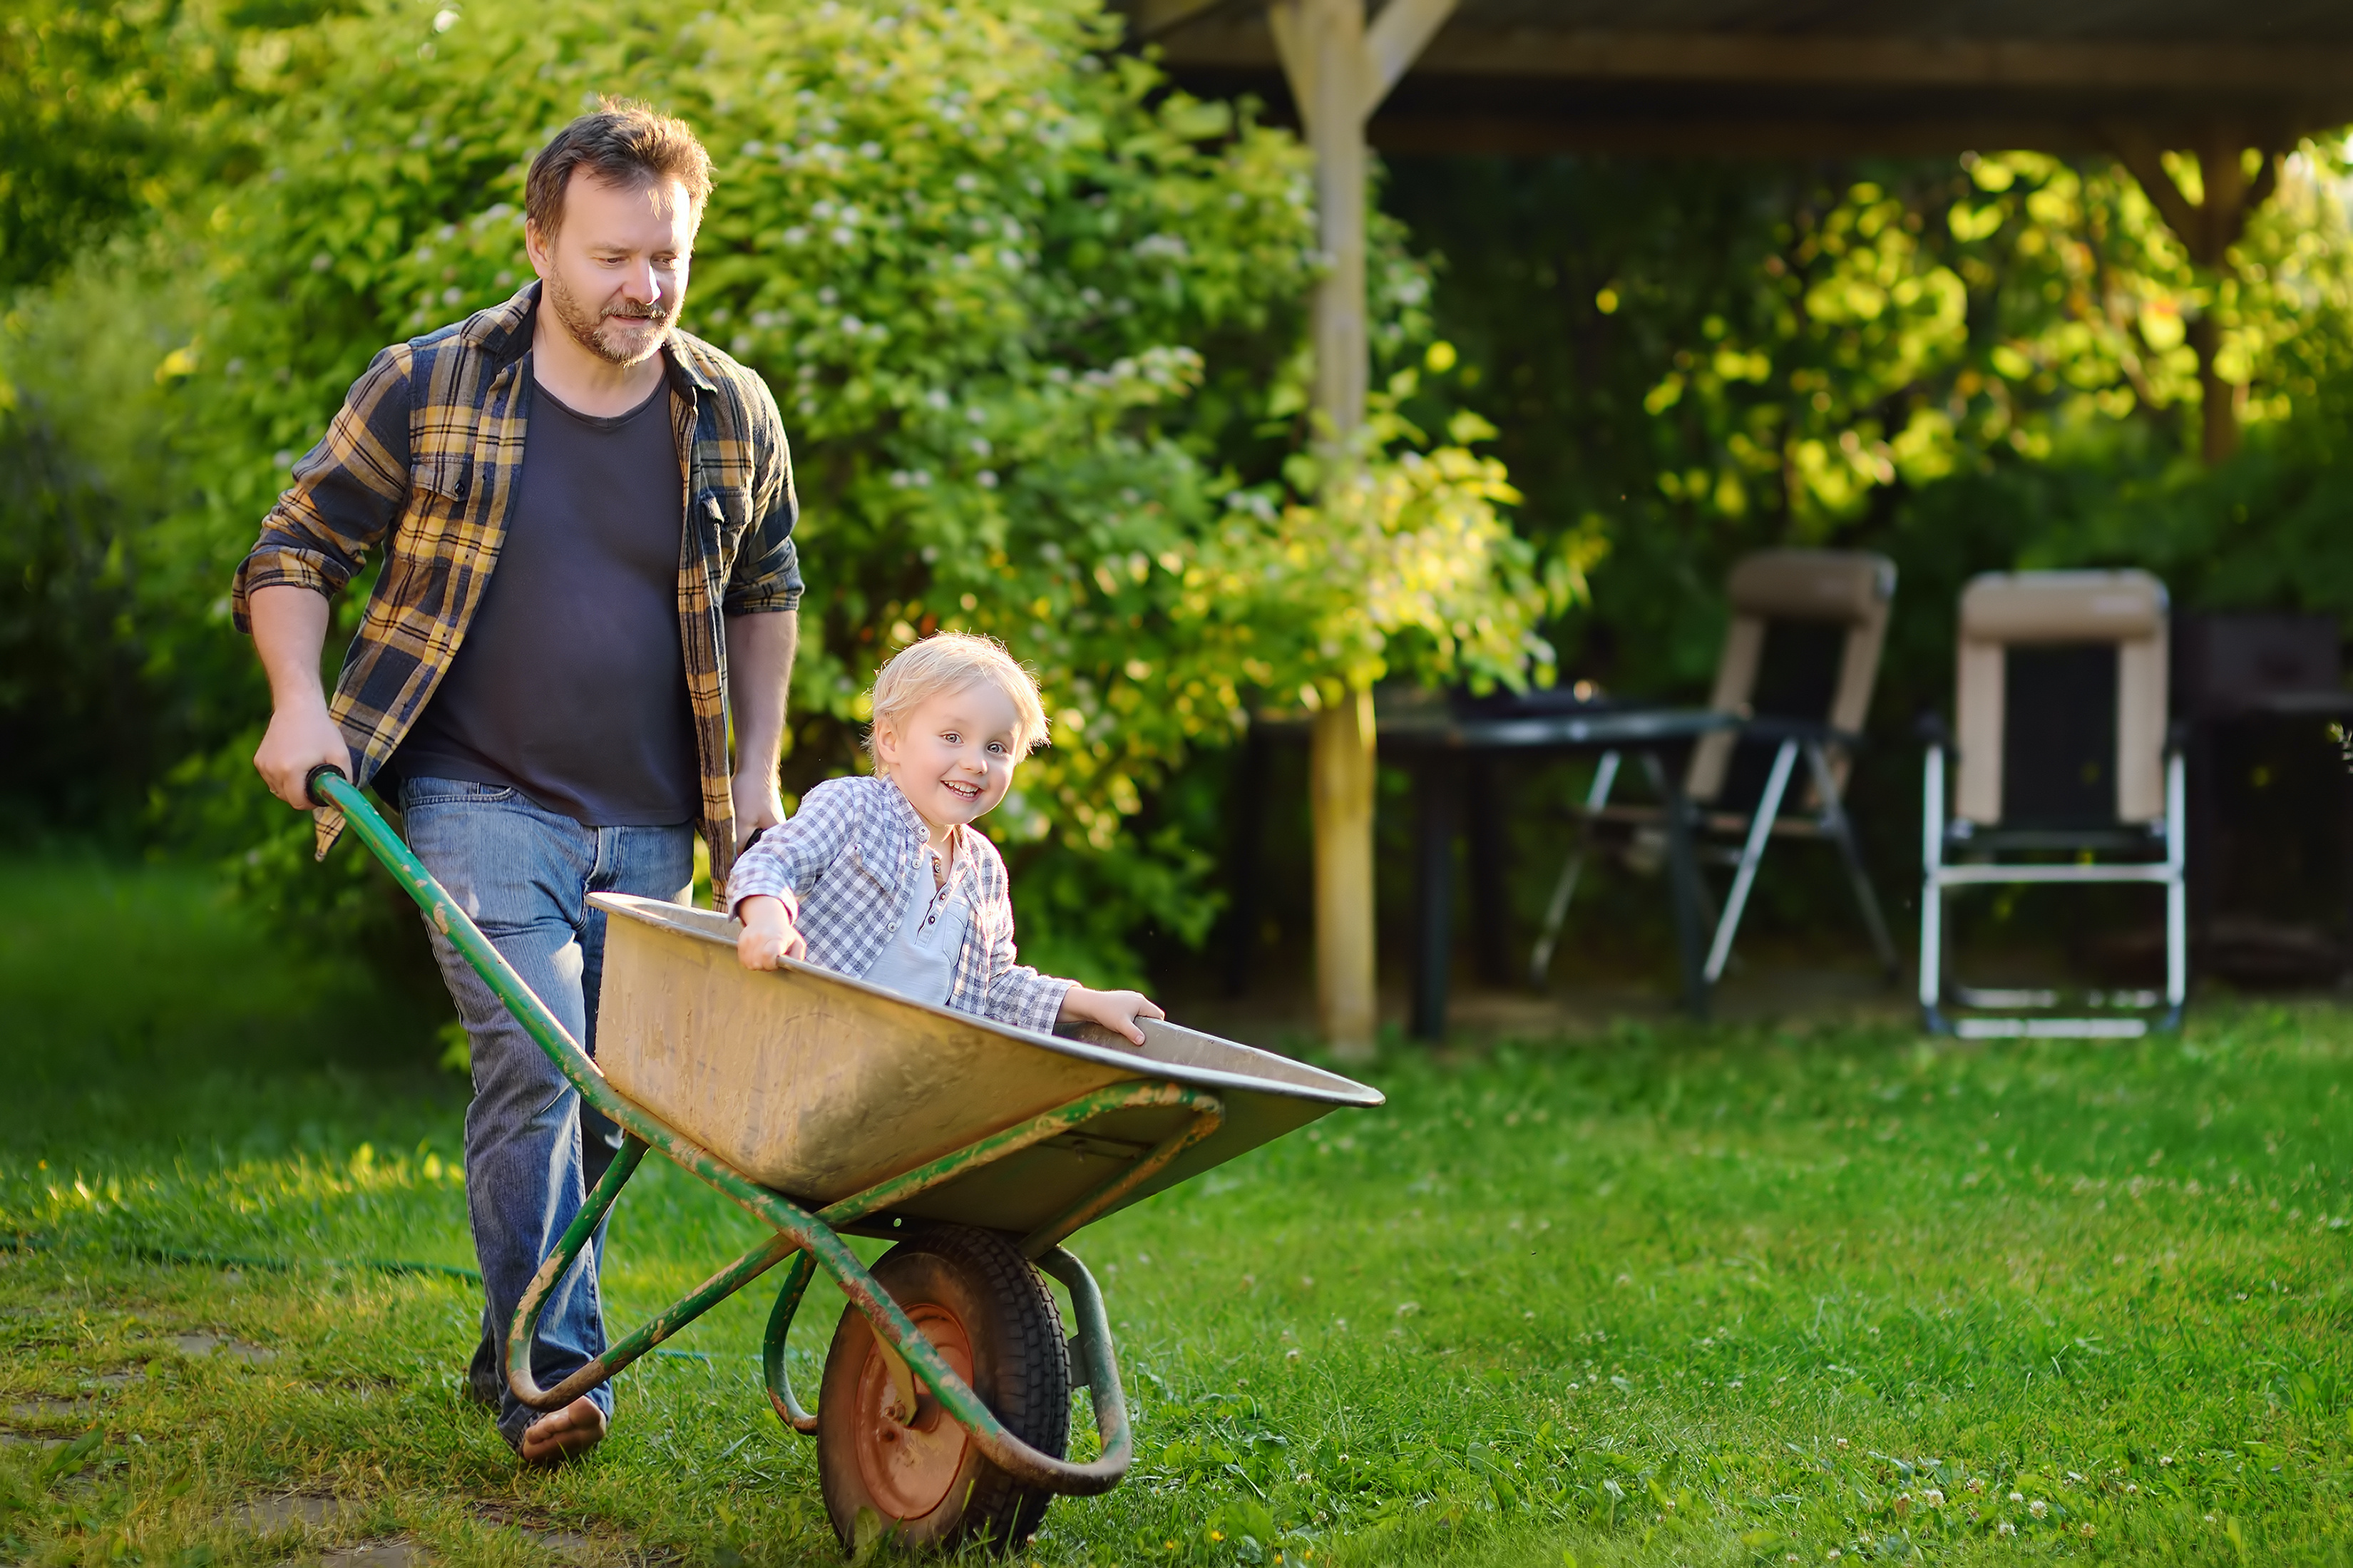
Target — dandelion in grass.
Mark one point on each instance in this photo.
(2039, 1509)
(1977, 1483)
(2018, 1497)
(2005, 1528)
(1839, 1441)
(1933, 1497)
(2086, 1531)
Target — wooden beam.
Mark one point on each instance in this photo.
(1239, 39)
(1396, 39)
(2144, 158)
(2207, 228)
(1582, 128)
(1149, 19)
(1298, 58)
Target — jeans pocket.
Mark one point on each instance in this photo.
(415, 793)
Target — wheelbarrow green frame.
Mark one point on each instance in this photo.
(811, 1240)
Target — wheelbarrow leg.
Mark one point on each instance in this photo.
(558, 1263)
(772, 1348)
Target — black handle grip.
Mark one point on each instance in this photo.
(311, 781)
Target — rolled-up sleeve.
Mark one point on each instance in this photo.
(347, 491)
(767, 575)
(791, 857)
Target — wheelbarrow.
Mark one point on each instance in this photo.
(826, 1106)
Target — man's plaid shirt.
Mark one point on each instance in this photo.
(423, 460)
(851, 867)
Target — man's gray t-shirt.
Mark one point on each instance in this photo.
(571, 683)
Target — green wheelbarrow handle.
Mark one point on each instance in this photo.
(798, 1229)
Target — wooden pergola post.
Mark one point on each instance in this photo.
(1339, 71)
(2207, 229)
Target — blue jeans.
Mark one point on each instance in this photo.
(524, 875)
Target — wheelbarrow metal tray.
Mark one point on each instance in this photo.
(820, 1087)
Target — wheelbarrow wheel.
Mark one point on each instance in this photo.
(989, 1315)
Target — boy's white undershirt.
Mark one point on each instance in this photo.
(919, 961)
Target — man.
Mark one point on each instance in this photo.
(586, 519)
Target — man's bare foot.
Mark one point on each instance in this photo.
(566, 1433)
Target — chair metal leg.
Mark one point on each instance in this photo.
(1685, 891)
(1694, 886)
(1433, 895)
(1839, 828)
(1932, 889)
(1760, 829)
(2177, 888)
(1564, 889)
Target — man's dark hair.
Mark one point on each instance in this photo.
(621, 142)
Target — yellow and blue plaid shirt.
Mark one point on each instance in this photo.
(422, 462)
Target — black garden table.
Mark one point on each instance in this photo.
(1448, 742)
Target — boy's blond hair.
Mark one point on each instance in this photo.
(950, 661)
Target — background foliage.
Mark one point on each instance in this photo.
(1968, 364)
(1035, 323)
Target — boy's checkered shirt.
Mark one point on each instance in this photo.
(422, 462)
(849, 865)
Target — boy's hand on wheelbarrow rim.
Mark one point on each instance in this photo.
(769, 934)
(1115, 1010)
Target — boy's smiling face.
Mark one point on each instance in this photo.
(953, 757)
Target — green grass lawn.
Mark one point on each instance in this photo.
(1730, 1296)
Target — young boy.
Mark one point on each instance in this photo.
(885, 879)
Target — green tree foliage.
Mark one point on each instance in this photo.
(1698, 360)
(1036, 328)
(121, 110)
(1381, 560)
(1033, 324)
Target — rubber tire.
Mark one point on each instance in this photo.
(1021, 1371)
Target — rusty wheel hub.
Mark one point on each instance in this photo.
(908, 1460)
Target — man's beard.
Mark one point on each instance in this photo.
(588, 331)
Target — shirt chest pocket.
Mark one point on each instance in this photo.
(720, 516)
(440, 490)
(441, 456)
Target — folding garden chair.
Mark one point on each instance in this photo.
(1798, 663)
(2064, 755)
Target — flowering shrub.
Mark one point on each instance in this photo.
(1028, 318)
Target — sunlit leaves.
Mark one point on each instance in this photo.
(1899, 337)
